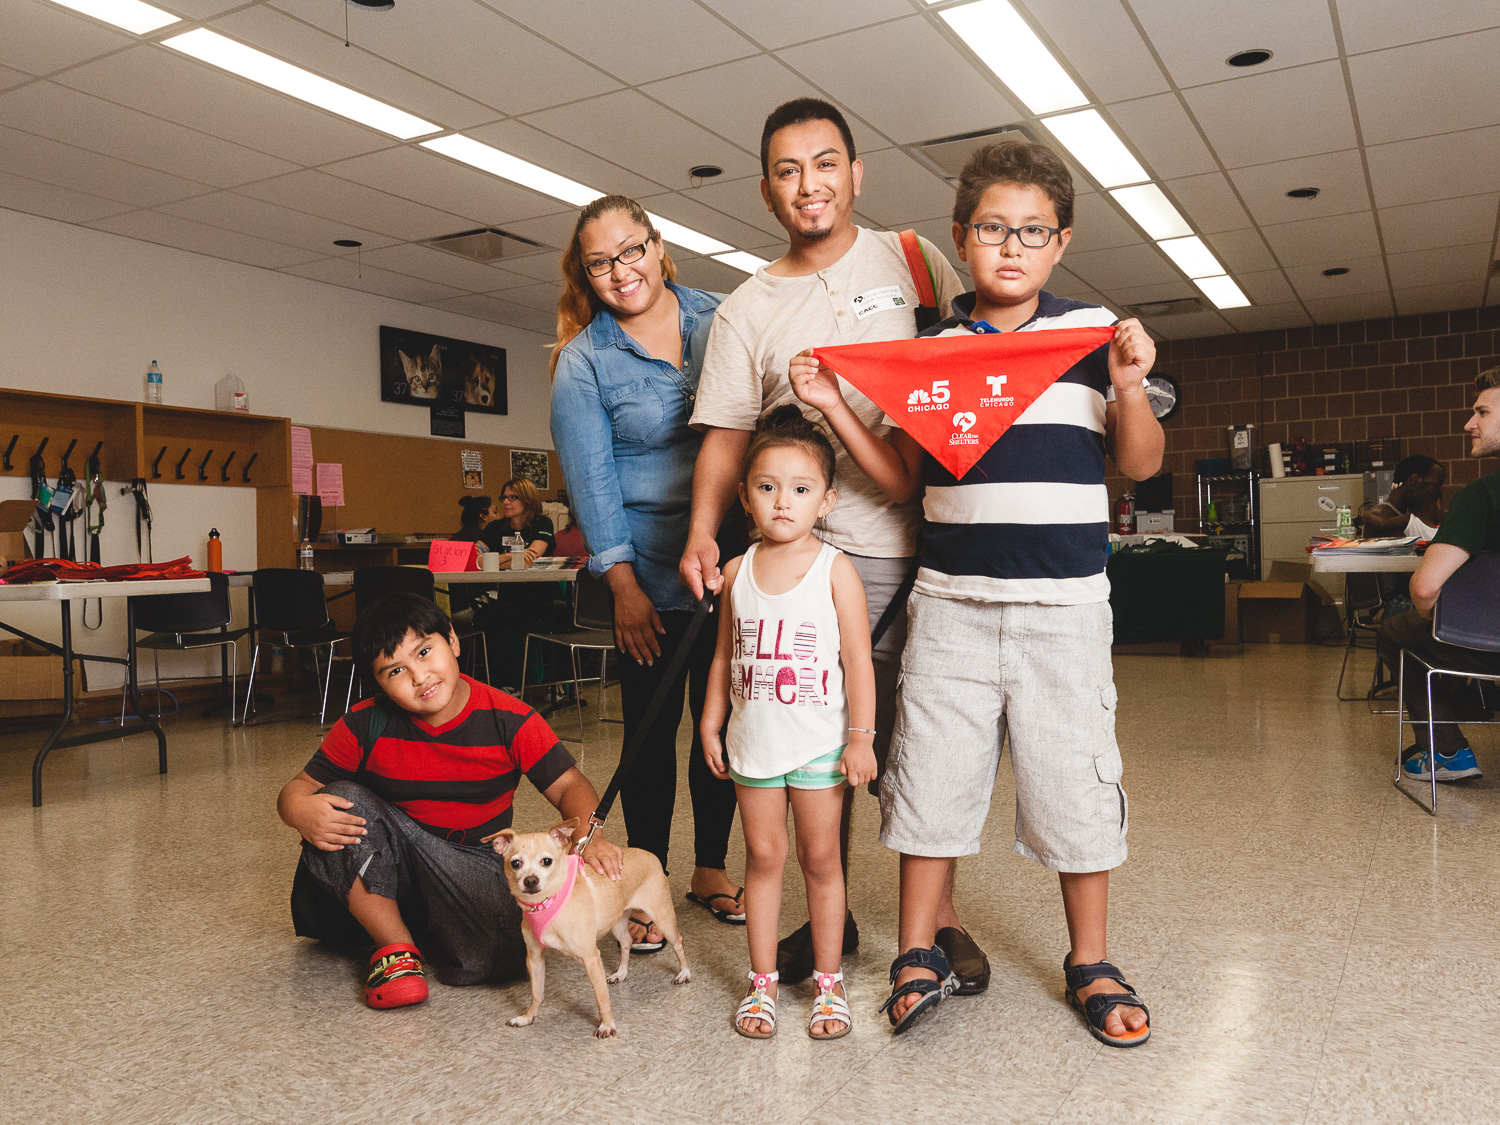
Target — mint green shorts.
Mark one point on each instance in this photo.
(820, 773)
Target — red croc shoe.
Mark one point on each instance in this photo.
(396, 978)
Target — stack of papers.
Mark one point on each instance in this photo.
(1397, 545)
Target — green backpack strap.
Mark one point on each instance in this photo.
(379, 717)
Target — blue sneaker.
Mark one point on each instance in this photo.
(1450, 767)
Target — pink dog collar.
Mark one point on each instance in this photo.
(540, 914)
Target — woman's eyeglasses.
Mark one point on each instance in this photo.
(601, 266)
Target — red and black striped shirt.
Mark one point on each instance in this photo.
(457, 780)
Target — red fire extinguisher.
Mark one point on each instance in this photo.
(1125, 514)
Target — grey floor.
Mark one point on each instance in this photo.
(1314, 948)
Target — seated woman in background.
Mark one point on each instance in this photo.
(479, 511)
(520, 518)
(1415, 503)
(507, 615)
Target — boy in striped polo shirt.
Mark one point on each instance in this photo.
(1009, 620)
(392, 817)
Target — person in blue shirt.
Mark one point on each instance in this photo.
(624, 377)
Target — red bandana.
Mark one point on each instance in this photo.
(989, 381)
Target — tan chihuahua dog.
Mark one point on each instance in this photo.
(566, 905)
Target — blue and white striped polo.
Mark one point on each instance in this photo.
(1030, 521)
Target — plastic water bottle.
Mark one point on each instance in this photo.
(305, 555)
(517, 552)
(153, 383)
(1346, 521)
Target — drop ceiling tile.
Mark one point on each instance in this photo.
(539, 296)
(66, 115)
(1459, 87)
(939, 232)
(952, 96)
(1439, 167)
(170, 230)
(1098, 225)
(347, 202)
(1275, 116)
(36, 198)
(1188, 326)
(90, 172)
(741, 199)
(1440, 298)
(435, 181)
(498, 312)
(699, 96)
(1359, 306)
(1325, 242)
(1193, 43)
(1241, 251)
(325, 54)
(470, 49)
(1103, 46)
(679, 35)
(347, 273)
(776, 23)
(529, 143)
(896, 189)
(10, 78)
(441, 267)
(1443, 222)
(1107, 270)
(1061, 283)
(1258, 318)
(1366, 275)
(705, 273)
(1163, 133)
(1338, 176)
(38, 38)
(684, 208)
(167, 85)
(551, 231)
(1161, 291)
(1440, 265)
(1371, 24)
(1266, 287)
(1208, 202)
(241, 213)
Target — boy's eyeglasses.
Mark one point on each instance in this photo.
(601, 266)
(1033, 236)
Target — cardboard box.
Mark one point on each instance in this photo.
(28, 671)
(1281, 610)
(14, 516)
(1232, 634)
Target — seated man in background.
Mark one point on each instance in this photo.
(1414, 505)
(1472, 525)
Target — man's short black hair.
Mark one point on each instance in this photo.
(799, 111)
(1417, 465)
(381, 627)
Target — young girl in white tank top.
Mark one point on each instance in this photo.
(792, 673)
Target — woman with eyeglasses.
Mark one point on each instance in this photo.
(625, 373)
(520, 523)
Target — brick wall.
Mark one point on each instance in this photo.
(1410, 377)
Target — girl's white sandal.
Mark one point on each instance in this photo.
(757, 1005)
(829, 1008)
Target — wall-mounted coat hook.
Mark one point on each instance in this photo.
(203, 465)
(224, 469)
(9, 448)
(37, 456)
(156, 464)
(182, 462)
(94, 456)
(245, 472)
(68, 453)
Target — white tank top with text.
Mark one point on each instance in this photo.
(786, 685)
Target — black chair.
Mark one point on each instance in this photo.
(1467, 615)
(593, 631)
(292, 603)
(183, 622)
(1362, 605)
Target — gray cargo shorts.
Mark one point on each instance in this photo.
(975, 670)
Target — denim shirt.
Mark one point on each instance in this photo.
(620, 428)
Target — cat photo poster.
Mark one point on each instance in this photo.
(425, 370)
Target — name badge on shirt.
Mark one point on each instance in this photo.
(884, 299)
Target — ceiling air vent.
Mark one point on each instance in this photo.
(1175, 307)
(949, 154)
(486, 245)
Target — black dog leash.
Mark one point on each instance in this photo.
(658, 700)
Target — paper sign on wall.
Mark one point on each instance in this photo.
(472, 463)
(302, 461)
(449, 555)
(331, 484)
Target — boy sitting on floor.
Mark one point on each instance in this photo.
(394, 804)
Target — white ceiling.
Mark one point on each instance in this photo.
(1391, 108)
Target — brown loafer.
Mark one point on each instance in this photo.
(969, 963)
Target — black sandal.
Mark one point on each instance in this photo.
(932, 992)
(1095, 1008)
(728, 917)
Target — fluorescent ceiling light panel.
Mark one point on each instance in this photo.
(741, 260)
(1006, 44)
(131, 15)
(1222, 291)
(513, 168)
(1094, 145)
(247, 62)
(1149, 206)
(1192, 257)
(688, 238)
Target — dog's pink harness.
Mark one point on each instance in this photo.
(540, 914)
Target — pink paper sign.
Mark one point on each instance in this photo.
(302, 461)
(331, 484)
(449, 555)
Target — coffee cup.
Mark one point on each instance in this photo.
(490, 560)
